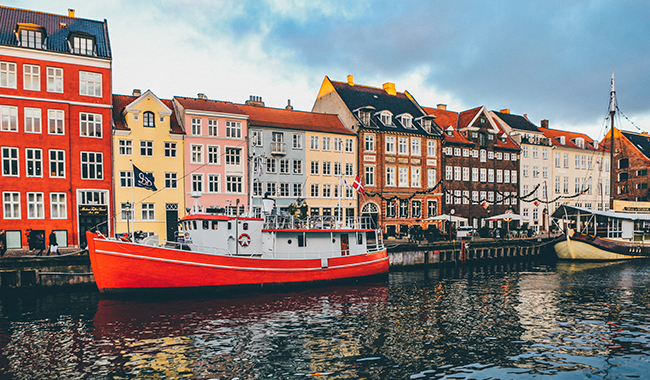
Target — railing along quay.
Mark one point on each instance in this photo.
(74, 269)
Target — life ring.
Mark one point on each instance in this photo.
(244, 240)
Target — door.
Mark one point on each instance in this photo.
(91, 223)
(345, 245)
(171, 220)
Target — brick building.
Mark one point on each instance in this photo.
(398, 148)
(480, 164)
(55, 111)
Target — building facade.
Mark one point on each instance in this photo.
(630, 170)
(398, 148)
(146, 133)
(216, 165)
(55, 112)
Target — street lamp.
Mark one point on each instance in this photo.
(451, 212)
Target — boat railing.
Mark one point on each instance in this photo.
(316, 222)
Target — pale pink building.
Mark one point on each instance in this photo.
(216, 164)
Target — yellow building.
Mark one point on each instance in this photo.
(331, 162)
(146, 133)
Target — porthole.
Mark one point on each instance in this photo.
(333, 240)
(289, 241)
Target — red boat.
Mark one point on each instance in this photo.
(222, 250)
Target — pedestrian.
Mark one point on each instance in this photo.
(31, 239)
(3, 242)
(54, 247)
(40, 243)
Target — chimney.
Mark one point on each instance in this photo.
(137, 92)
(350, 80)
(254, 101)
(442, 107)
(505, 110)
(544, 123)
(289, 106)
(389, 88)
(71, 12)
(201, 95)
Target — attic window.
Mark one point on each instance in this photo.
(148, 119)
(82, 43)
(364, 116)
(407, 121)
(386, 118)
(450, 131)
(490, 136)
(562, 140)
(580, 142)
(30, 36)
(426, 125)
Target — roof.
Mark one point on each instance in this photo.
(208, 105)
(566, 210)
(517, 122)
(57, 29)
(640, 140)
(290, 119)
(570, 137)
(120, 102)
(357, 96)
(446, 119)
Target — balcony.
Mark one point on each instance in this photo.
(279, 148)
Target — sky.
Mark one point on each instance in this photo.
(545, 59)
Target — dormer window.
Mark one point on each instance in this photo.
(364, 116)
(148, 119)
(82, 43)
(386, 118)
(490, 136)
(407, 121)
(595, 144)
(450, 131)
(562, 140)
(426, 125)
(30, 36)
(580, 142)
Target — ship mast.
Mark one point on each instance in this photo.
(612, 111)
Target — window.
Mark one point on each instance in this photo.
(457, 173)
(483, 155)
(390, 144)
(170, 149)
(327, 143)
(213, 129)
(483, 172)
(297, 166)
(499, 176)
(491, 175)
(390, 209)
(31, 38)
(457, 152)
(197, 154)
(57, 163)
(535, 171)
(577, 166)
(415, 147)
(284, 166)
(125, 147)
(407, 121)
(566, 185)
(32, 77)
(197, 183)
(314, 143)
(233, 184)
(348, 146)
(126, 179)
(390, 176)
(32, 120)
(284, 190)
(54, 79)
(349, 168)
(369, 172)
(126, 213)
(535, 152)
(524, 171)
(90, 124)
(148, 119)
(327, 191)
(10, 162)
(513, 176)
(34, 158)
(35, 206)
(313, 190)
(415, 177)
(566, 160)
(314, 168)
(213, 183)
(83, 45)
(148, 211)
(213, 155)
(557, 159)
(257, 189)
(55, 122)
(92, 165)
(449, 173)
(196, 126)
(171, 180)
(7, 74)
(386, 118)
(403, 177)
(11, 204)
(297, 190)
(416, 209)
(233, 156)
(146, 148)
(623, 163)
(90, 84)
(233, 130)
(369, 143)
(465, 173)
(457, 196)
(327, 168)
(9, 118)
(431, 148)
(297, 141)
(58, 209)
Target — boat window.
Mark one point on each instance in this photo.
(289, 241)
(206, 224)
(215, 225)
(245, 226)
(230, 225)
(359, 238)
(194, 225)
(302, 240)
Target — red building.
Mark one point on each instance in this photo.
(55, 126)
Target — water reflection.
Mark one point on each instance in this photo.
(497, 321)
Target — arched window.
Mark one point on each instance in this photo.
(148, 119)
(370, 208)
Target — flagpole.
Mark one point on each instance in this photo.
(132, 210)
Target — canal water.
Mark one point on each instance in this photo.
(505, 321)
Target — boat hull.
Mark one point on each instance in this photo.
(122, 266)
(583, 247)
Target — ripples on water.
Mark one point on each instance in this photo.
(507, 321)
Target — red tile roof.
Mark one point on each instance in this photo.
(466, 117)
(122, 101)
(555, 135)
(446, 119)
(208, 105)
(290, 119)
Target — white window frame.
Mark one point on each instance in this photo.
(11, 205)
(233, 129)
(148, 211)
(90, 125)
(147, 147)
(31, 77)
(213, 127)
(58, 161)
(37, 162)
(8, 161)
(55, 122)
(58, 206)
(8, 74)
(125, 147)
(35, 205)
(54, 79)
(8, 118)
(98, 166)
(196, 126)
(171, 180)
(33, 120)
(90, 84)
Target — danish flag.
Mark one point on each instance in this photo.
(358, 186)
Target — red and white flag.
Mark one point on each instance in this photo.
(358, 186)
